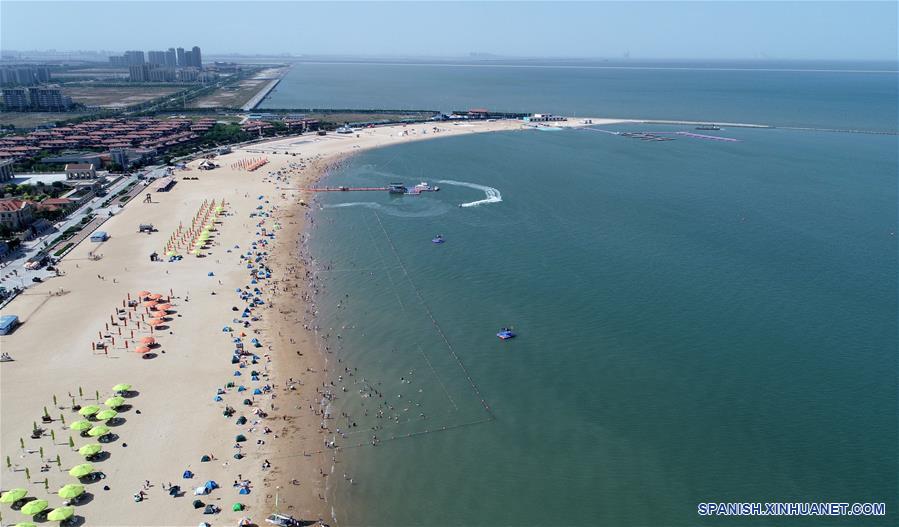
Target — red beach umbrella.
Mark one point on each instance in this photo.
(142, 350)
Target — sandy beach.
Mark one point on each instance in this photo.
(174, 419)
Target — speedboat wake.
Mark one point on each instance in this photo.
(492, 195)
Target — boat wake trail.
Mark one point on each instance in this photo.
(432, 209)
(492, 194)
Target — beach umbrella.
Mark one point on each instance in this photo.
(81, 470)
(90, 409)
(155, 296)
(99, 431)
(70, 491)
(115, 402)
(34, 507)
(121, 387)
(13, 495)
(90, 450)
(164, 307)
(143, 294)
(150, 303)
(148, 341)
(157, 322)
(106, 415)
(61, 514)
(81, 426)
(141, 349)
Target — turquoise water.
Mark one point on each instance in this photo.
(698, 321)
(814, 94)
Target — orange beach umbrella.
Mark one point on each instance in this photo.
(142, 349)
(157, 322)
(143, 294)
(148, 341)
(155, 296)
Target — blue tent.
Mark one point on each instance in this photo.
(210, 273)
(187, 474)
(243, 490)
(257, 391)
(210, 485)
(217, 398)
(241, 388)
(226, 329)
(237, 374)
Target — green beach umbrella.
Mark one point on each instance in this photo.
(90, 409)
(104, 415)
(70, 491)
(81, 470)
(13, 495)
(90, 450)
(60, 514)
(115, 402)
(25, 524)
(121, 387)
(98, 431)
(34, 507)
(81, 426)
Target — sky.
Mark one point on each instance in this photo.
(805, 30)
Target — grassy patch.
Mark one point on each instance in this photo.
(64, 249)
(119, 96)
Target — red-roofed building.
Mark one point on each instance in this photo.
(16, 213)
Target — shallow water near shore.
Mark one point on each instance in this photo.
(698, 321)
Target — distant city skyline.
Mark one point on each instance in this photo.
(817, 30)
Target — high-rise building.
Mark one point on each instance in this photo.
(188, 75)
(24, 75)
(179, 56)
(134, 57)
(188, 59)
(171, 58)
(156, 58)
(15, 99)
(197, 58)
(138, 73)
(50, 99)
(161, 75)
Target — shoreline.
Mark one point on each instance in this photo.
(175, 420)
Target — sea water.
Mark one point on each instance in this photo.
(697, 321)
(782, 93)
